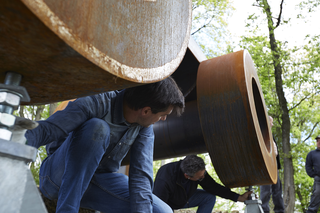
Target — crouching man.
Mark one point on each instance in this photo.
(176, 184)
(87, 141)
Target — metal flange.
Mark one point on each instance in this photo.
(234, 121)
(19, 151)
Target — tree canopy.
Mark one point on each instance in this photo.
(288, 75)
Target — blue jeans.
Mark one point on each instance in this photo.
(69, 174)
(276, 191)
(315, 197)
(204, 200)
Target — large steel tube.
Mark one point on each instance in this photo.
(179, 136)
(69, 49)
(234, 121)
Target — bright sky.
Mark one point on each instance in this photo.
(294, 34)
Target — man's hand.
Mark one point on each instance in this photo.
(20, 127)
(244, 196)
(275, 148)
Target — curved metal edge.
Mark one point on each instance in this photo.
(259, 117)
(140, 75)
(235, 88)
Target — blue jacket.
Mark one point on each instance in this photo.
(313, 163)
(123, 137)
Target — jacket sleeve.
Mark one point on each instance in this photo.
(211, 186)
(60, 124)
(161, 189)
(141, 172)
(309, 165)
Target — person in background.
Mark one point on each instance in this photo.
(274, 189)
(313, 170)
(176, 184)
(87, 141)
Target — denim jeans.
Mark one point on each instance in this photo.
(204, 200)
(69, 174)
(315, 197)
(276, 191)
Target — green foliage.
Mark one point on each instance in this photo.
(35, 112)
(35, 166)
(308, 7)
(300, 76)
(209, 25)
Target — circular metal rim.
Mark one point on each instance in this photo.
(234, 124)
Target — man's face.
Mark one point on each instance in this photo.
(149, 118)
(198, 176)
(318, 143)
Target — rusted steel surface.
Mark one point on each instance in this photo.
(234, 121)
(121, 44)
(179, 136)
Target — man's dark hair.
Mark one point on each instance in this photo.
(192, 164)
(158, 96)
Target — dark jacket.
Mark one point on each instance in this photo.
(313, 163)
(168, 186)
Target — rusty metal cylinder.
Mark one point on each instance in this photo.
(70, 49)
(234, 121)
(179, 136)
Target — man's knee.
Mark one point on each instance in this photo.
(210, 198)
(94, 131)
(97, 126)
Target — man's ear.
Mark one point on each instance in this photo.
(186, 176)
(146, 111)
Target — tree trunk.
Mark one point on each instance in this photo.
(289, 190)
(21, 113)
(52, 108)
(303, 204)
(39, 110)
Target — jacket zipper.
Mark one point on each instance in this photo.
(185, 193)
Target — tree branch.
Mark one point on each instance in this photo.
(279, 17)
(307, 97)
(314, 126)
(203, 26)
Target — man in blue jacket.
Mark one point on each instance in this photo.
(177, 184)
(87, 141)
(313, 170)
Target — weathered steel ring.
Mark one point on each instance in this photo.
(234, 121)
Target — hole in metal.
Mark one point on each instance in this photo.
(261, 114)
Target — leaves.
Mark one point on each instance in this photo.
(209, 25)
(34, 112)
(300, 74)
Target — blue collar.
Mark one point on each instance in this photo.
(117, 112)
